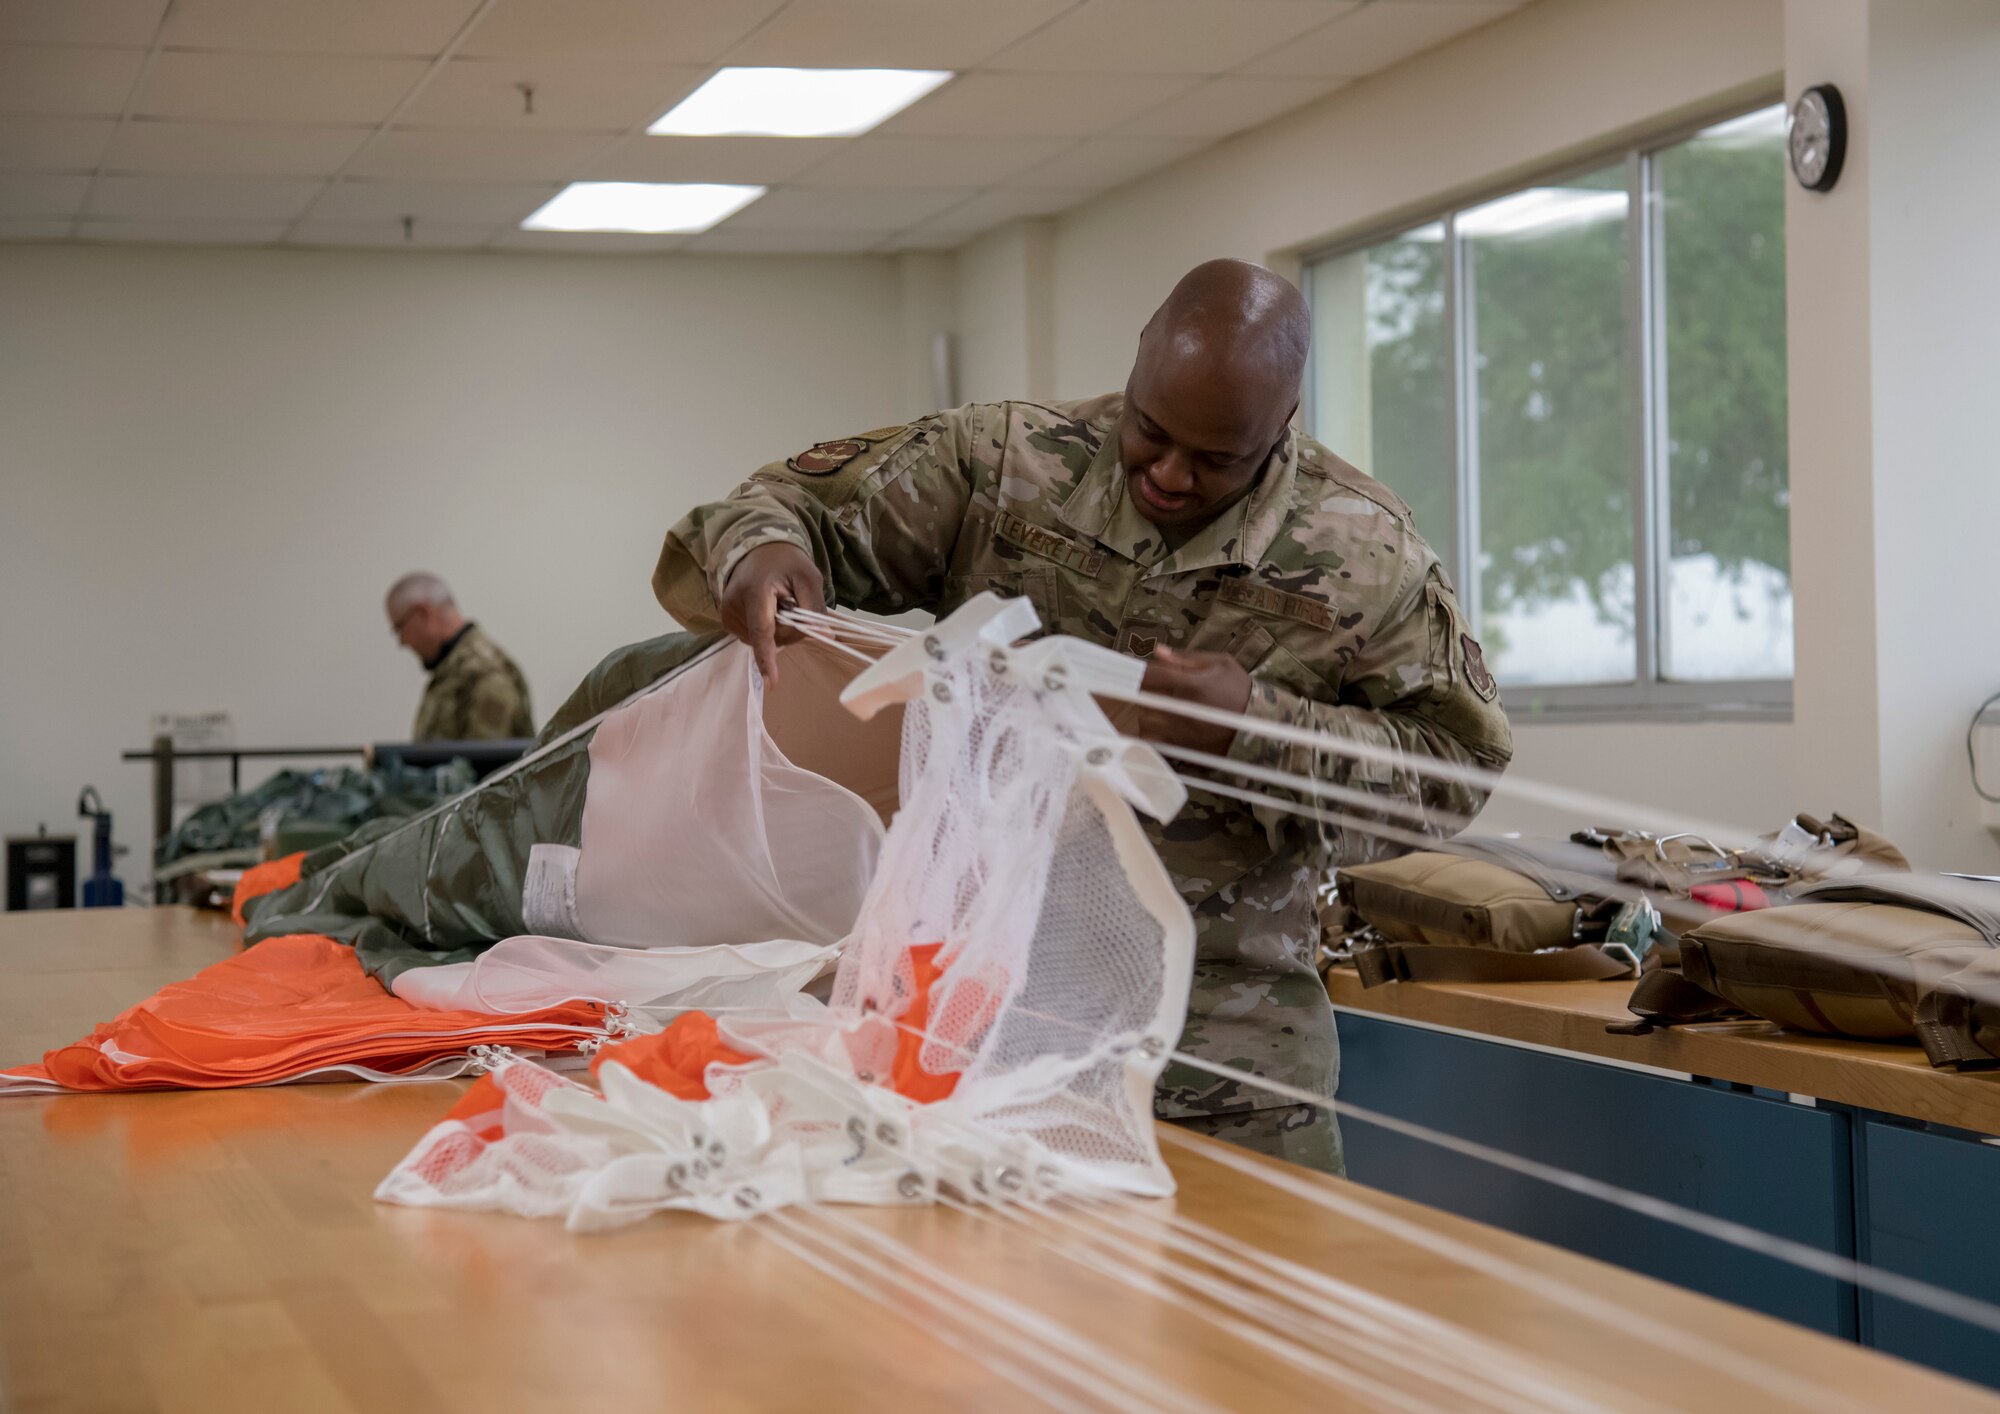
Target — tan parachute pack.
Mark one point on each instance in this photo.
(1487, 908)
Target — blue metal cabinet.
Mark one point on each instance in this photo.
(1928, 1209)
(1776, 1166)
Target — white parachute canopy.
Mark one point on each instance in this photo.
(1016, 978)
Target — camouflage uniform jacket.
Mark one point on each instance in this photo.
(1315, 582)
(475, 694)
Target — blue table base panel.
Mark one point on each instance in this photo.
(1851, 1182)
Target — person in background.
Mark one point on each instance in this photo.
(475, 693)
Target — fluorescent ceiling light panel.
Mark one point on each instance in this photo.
(796, 102)
(653, 208)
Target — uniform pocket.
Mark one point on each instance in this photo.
(1039, 587)
(1281, 667)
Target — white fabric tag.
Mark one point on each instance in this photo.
(548, 894)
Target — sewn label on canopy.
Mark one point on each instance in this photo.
(548, 894)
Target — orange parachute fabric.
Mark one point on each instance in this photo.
(282, 1009)
(676, 1059)
(907, 1075)
(265, 878)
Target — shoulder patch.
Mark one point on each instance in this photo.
(1476, 671)
(825, 458)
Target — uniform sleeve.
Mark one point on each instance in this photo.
(879, 513)
(1419, 689)
(490, 708)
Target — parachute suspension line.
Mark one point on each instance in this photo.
(1628, 1320)
(1932, 1298)
(928, 1313)
(1377, 1317)
(1226, 1312)
(1450, 822)
(1125, 1385)
(828, 639)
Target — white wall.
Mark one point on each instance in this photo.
(213, 463)
(1555, 78)
(1894, 300)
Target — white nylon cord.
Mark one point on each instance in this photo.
(1153, 1392)
(1088, 1254)
(794, 1238)
(1629, 1320)
(1968, 1309)
(1451, 822)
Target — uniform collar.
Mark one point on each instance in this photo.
(1102, 508)
(449, 644)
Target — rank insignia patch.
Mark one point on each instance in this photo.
(1475, 666)
(825, 458)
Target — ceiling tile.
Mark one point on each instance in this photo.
(599, 95)
(184, 232)
(679, 31)
(1034, 105)
(845, 209)
(421, 27)
(893, 34)
(53, 144)
(923, 238)
(1374, 38)
(110, 22)
(436, 154)
(1108, 162)
(63, 82)
(588, 242)
(757, 160)
(1228, 105)
(38, 194)
(994, 208)
(931, 161)
(201, 198)
(473, 203)
(423, 235)
(276, 88)
(1164, 36)
(730, 238)
(34, 230)
(235, 150)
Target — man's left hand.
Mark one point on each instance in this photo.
(1211, 679)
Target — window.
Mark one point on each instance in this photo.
(1579, 387)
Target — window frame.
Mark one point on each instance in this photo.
(1648, 695)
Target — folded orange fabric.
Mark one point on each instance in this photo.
(676, 1059)
(282, 1009)
(265, 878)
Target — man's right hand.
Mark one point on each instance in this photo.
(770, 576)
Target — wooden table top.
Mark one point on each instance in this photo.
(216, 1251)
(1571, 1016)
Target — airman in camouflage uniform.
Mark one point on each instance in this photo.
(475, 693)
(1315, 582)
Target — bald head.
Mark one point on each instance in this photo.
(1212, 390)
(1240, 315)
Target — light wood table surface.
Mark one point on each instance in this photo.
(219, 1251)
(1571, 1016)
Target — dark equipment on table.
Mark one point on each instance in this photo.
(41, 871)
